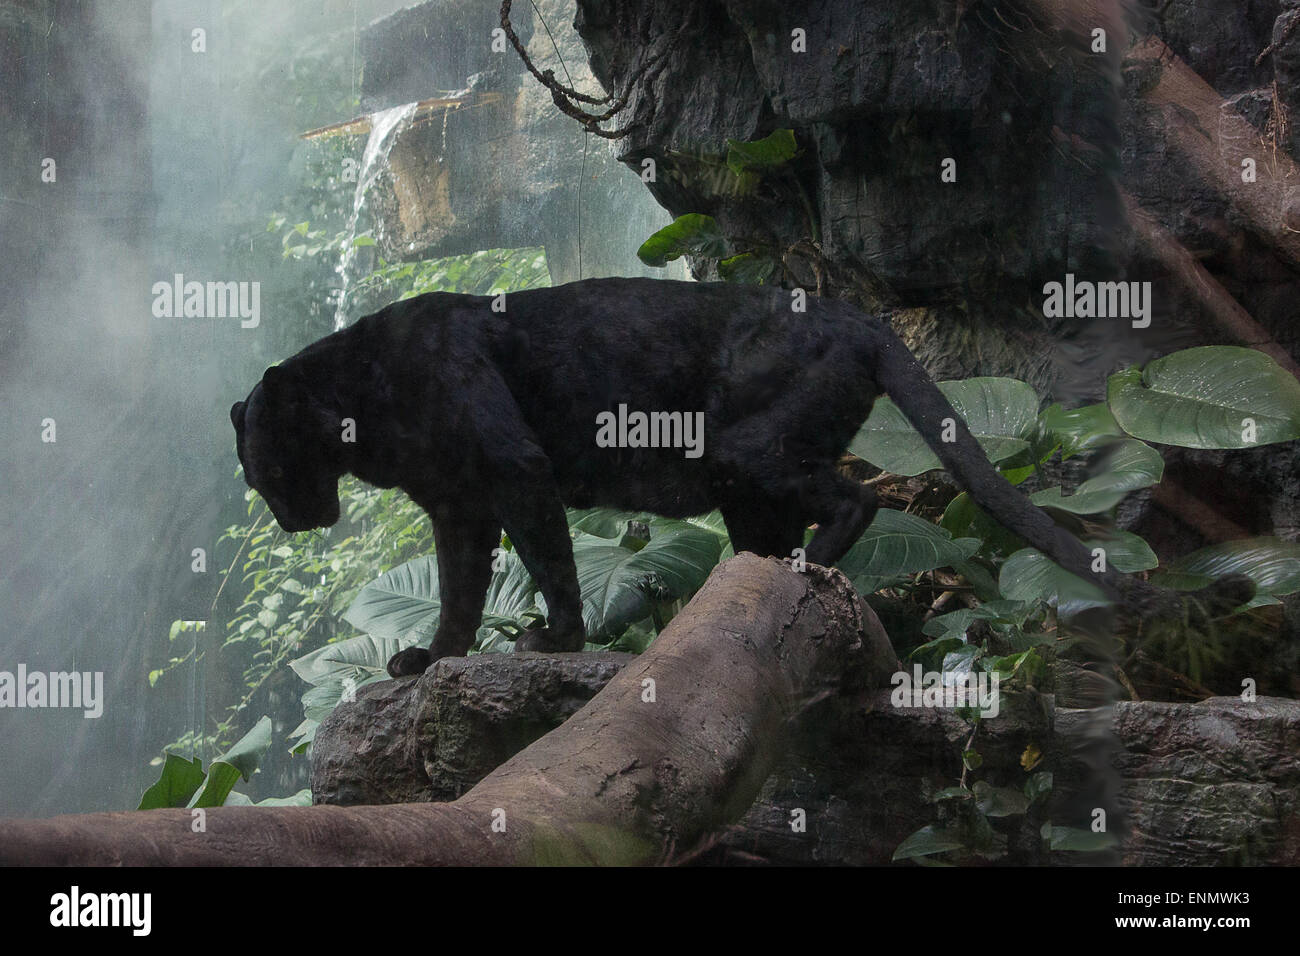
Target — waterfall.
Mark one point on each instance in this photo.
(385, 127)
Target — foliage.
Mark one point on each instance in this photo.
(765, 162)
(633, 574)
(1001, 413)
(485, 272)
(1209, 397)
(293, 588)
(184, 783)
(692, 234)
(1196, 399)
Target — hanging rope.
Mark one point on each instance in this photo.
(567, 99)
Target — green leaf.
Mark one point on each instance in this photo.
(693, 234)
(952, 793)
(300, 799)
(1125, 552)
(761, 155)
(1128, 466)
(620, 586)
(897, 545)
(1011, 665)
(961, 660)
(1029, 575)
(512, 591)
(1273, 564)
(1199, 398)
(932, 653)
(179, 780)
(1072, 838)
(241, 760)
(712, 522)
(1080, 428)
(927, 841)
(401, 605)
(511, 603)
(603, 522)
(957, 623)
(1002, 414)
(356, 657)
(747, 268)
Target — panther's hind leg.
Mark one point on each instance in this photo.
(764, 526)
(842, 508)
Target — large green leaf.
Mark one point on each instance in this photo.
(1129, 466)
(713, 522)
(1080, 428)
(240, 760)
(693, 234)
(620, 586)
(1200, 398)
(747, 268)
(927, 841)
(603, 522)
(1029, 575)
(1073, 838)
(1273, 564)
(957, 623)
(356, 657)
(512, 591)
(510, 607)
(1002, 414)
(179, 780)
(761, 155)
(300, 799)
(1125, 552)
(400, 605)
(897, 545)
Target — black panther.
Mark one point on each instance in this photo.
(488, 420)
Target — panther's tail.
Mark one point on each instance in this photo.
(905, 380)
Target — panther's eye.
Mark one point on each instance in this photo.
(277, 472)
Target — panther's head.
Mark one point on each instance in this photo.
(289, 455)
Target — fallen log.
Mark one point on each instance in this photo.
(677, 745)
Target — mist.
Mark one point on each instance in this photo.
(148, 146)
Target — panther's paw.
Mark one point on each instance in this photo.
(413, 660)
(545, 640)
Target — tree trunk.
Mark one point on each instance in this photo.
(676, 746)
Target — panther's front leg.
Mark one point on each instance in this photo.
(534, 519)
(464, 539)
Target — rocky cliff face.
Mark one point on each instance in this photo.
(880, 96)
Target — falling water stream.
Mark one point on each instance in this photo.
(385, 127)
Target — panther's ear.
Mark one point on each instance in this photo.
(237, 415)
(279, 380)
(274, 377)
